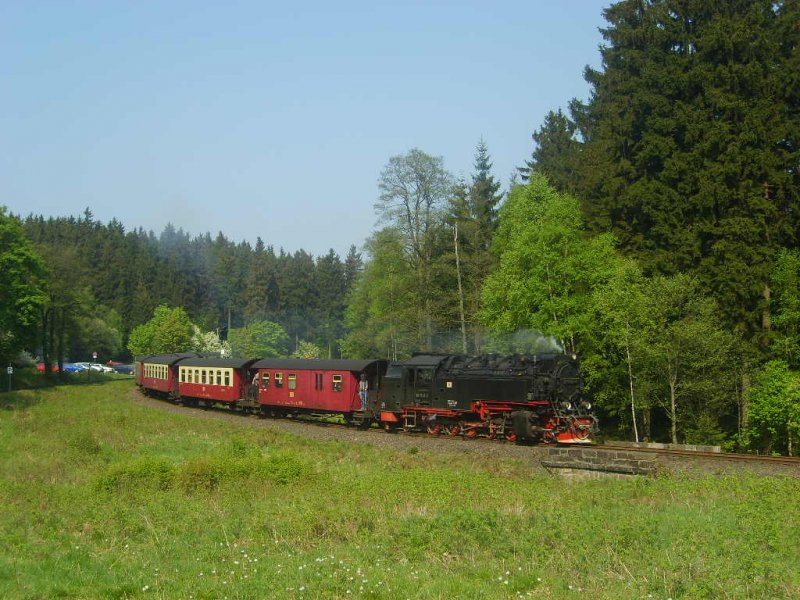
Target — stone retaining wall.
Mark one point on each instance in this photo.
(612, 462)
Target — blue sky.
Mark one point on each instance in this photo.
(266, 119)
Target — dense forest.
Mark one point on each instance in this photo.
(653, 232)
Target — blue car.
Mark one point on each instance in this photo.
(73, 368)
(124, 369)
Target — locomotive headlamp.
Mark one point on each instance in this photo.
(567, 405)
(586, 405)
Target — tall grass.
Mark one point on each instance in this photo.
(105, 498)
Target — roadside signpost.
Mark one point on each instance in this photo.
(10, 371)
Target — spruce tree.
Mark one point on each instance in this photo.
(689, 143)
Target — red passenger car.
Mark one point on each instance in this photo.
(214, 379)
(316, 386)
(157, 374)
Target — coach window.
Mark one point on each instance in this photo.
(219, 377)
(337, 383)
(292, 381)
(227, 378)
(182, 375)
(278, 380)
(202, 375)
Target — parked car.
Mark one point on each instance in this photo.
(100, 368)
(73, 368)
(124, 369)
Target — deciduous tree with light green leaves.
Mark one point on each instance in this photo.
(381, 314)
(22, 278)
(774, 410)
(689, 358)
(262, 339)
(170, 330)
(614, 368)
(549, 267)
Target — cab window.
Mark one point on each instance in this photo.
(337, 383)
(265, 380)
(292, 381)
(278, 380)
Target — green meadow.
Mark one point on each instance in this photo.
(103, 497)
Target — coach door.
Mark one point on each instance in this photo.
(318, 394)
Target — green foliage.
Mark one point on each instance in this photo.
(208, 341)
(773, 420)
(414, 189)
(549, 268)
(307, 349)
(99, 268)
(686, 150)
(381, 314)
(262, 339)
(170, 330)
(22, 281)
(557, 153)
(786, 303)
(687, 354)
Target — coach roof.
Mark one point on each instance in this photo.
(309, 364)
(165, 359)
(220, 363)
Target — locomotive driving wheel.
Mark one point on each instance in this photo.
(454, 429)
(435, 428)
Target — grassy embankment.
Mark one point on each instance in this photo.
(105, 498)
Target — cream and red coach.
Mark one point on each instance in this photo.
(315, 386)
(156, 373)
(212, 380)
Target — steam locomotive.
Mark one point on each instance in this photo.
(519, 398)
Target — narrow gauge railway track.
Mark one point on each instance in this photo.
(503, 446)
(778, 460)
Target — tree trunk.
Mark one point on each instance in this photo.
(45, 342)
(633, 404)
(766, 315)
(62, 334)
(673, 411)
